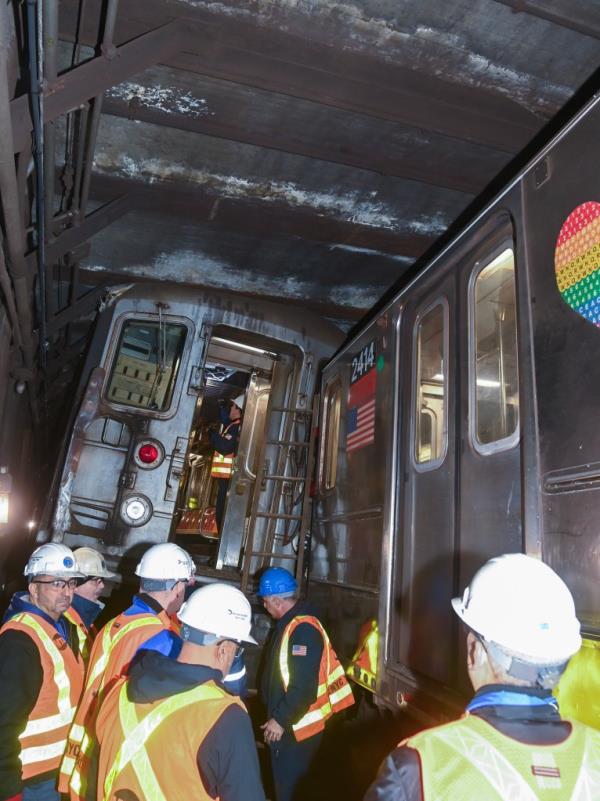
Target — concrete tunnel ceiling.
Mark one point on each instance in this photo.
(306, 149)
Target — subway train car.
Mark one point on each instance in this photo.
(138, 467)
(461, 423)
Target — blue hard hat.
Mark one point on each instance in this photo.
(276, 581)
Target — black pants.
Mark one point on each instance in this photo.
(221, 501)
(291, 763)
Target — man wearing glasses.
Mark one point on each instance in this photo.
(171, 730)
(41, 675)
(86, 604)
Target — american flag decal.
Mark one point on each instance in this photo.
(298, 650)
(360, 416)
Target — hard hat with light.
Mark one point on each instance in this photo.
(53, 559)
(216, 611)
(277, 581)
(92, 563)
(166, 561)
(521, 605)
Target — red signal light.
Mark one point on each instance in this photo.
(148, 453)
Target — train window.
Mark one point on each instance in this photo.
(494, 371)
(146, 364)
(431, 387)
(333, 403)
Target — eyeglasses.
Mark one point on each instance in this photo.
(59, 584)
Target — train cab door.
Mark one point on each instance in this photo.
(425, 547)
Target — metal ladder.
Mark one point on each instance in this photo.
(277, 488)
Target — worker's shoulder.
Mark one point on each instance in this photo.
(16, 640)
(399, 777)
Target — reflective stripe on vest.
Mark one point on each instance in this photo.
(333, 692)
(83, 634)
(75, 764)
(136, 734)
(222, 466)
(42, 728)
(470, 759)
(363, 668)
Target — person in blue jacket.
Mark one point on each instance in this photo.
(226, 442)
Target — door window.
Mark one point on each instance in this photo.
(329, 458)
(146, 364)
(494, 370)
(431, 387)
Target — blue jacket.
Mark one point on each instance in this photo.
(87, 610)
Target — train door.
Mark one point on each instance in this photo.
(460, 495)
(215, 491)
(426, 541)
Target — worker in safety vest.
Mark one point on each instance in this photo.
(171, 730)
(86, 604)
(225, 444)
(164, 571)
(303, 684)
(512, 742)
(41, 676)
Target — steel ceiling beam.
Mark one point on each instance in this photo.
(277, 61)
(562, 15)
(260, 218)
(90, 79)
(457, 177)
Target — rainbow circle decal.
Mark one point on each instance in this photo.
(577, 261)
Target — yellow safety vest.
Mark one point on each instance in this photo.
(470, 760)
(222, 466)
(333, 692)
(141, 762)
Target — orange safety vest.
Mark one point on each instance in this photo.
(363, 667)
(222, 466)
(112, 652)
(138, 743)
(44, 738)
(471, 760)
(333, 692)
(84, 635)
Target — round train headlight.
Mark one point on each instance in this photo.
(136, 510)
(148, 454)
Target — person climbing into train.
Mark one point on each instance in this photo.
(511, 742)
(225, 442)
(303, 685)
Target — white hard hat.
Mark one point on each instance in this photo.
(221, 610)
(53, 559)
(239, 401)
(92, 563)
(520, 604)
(166, 561)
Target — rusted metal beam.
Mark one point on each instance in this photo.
(280, 62)
(81, 308)
(563, 15)
(95, 222)
(260, 218)
(225, 124)
(75, 87)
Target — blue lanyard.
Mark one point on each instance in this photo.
(507, 698)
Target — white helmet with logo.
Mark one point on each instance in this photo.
(92, 563)
(53, 559)
(521, 605)
(219, 610)
(166, 561)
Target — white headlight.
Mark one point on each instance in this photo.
(136, 510)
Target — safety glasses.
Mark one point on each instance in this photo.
(59, 584)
